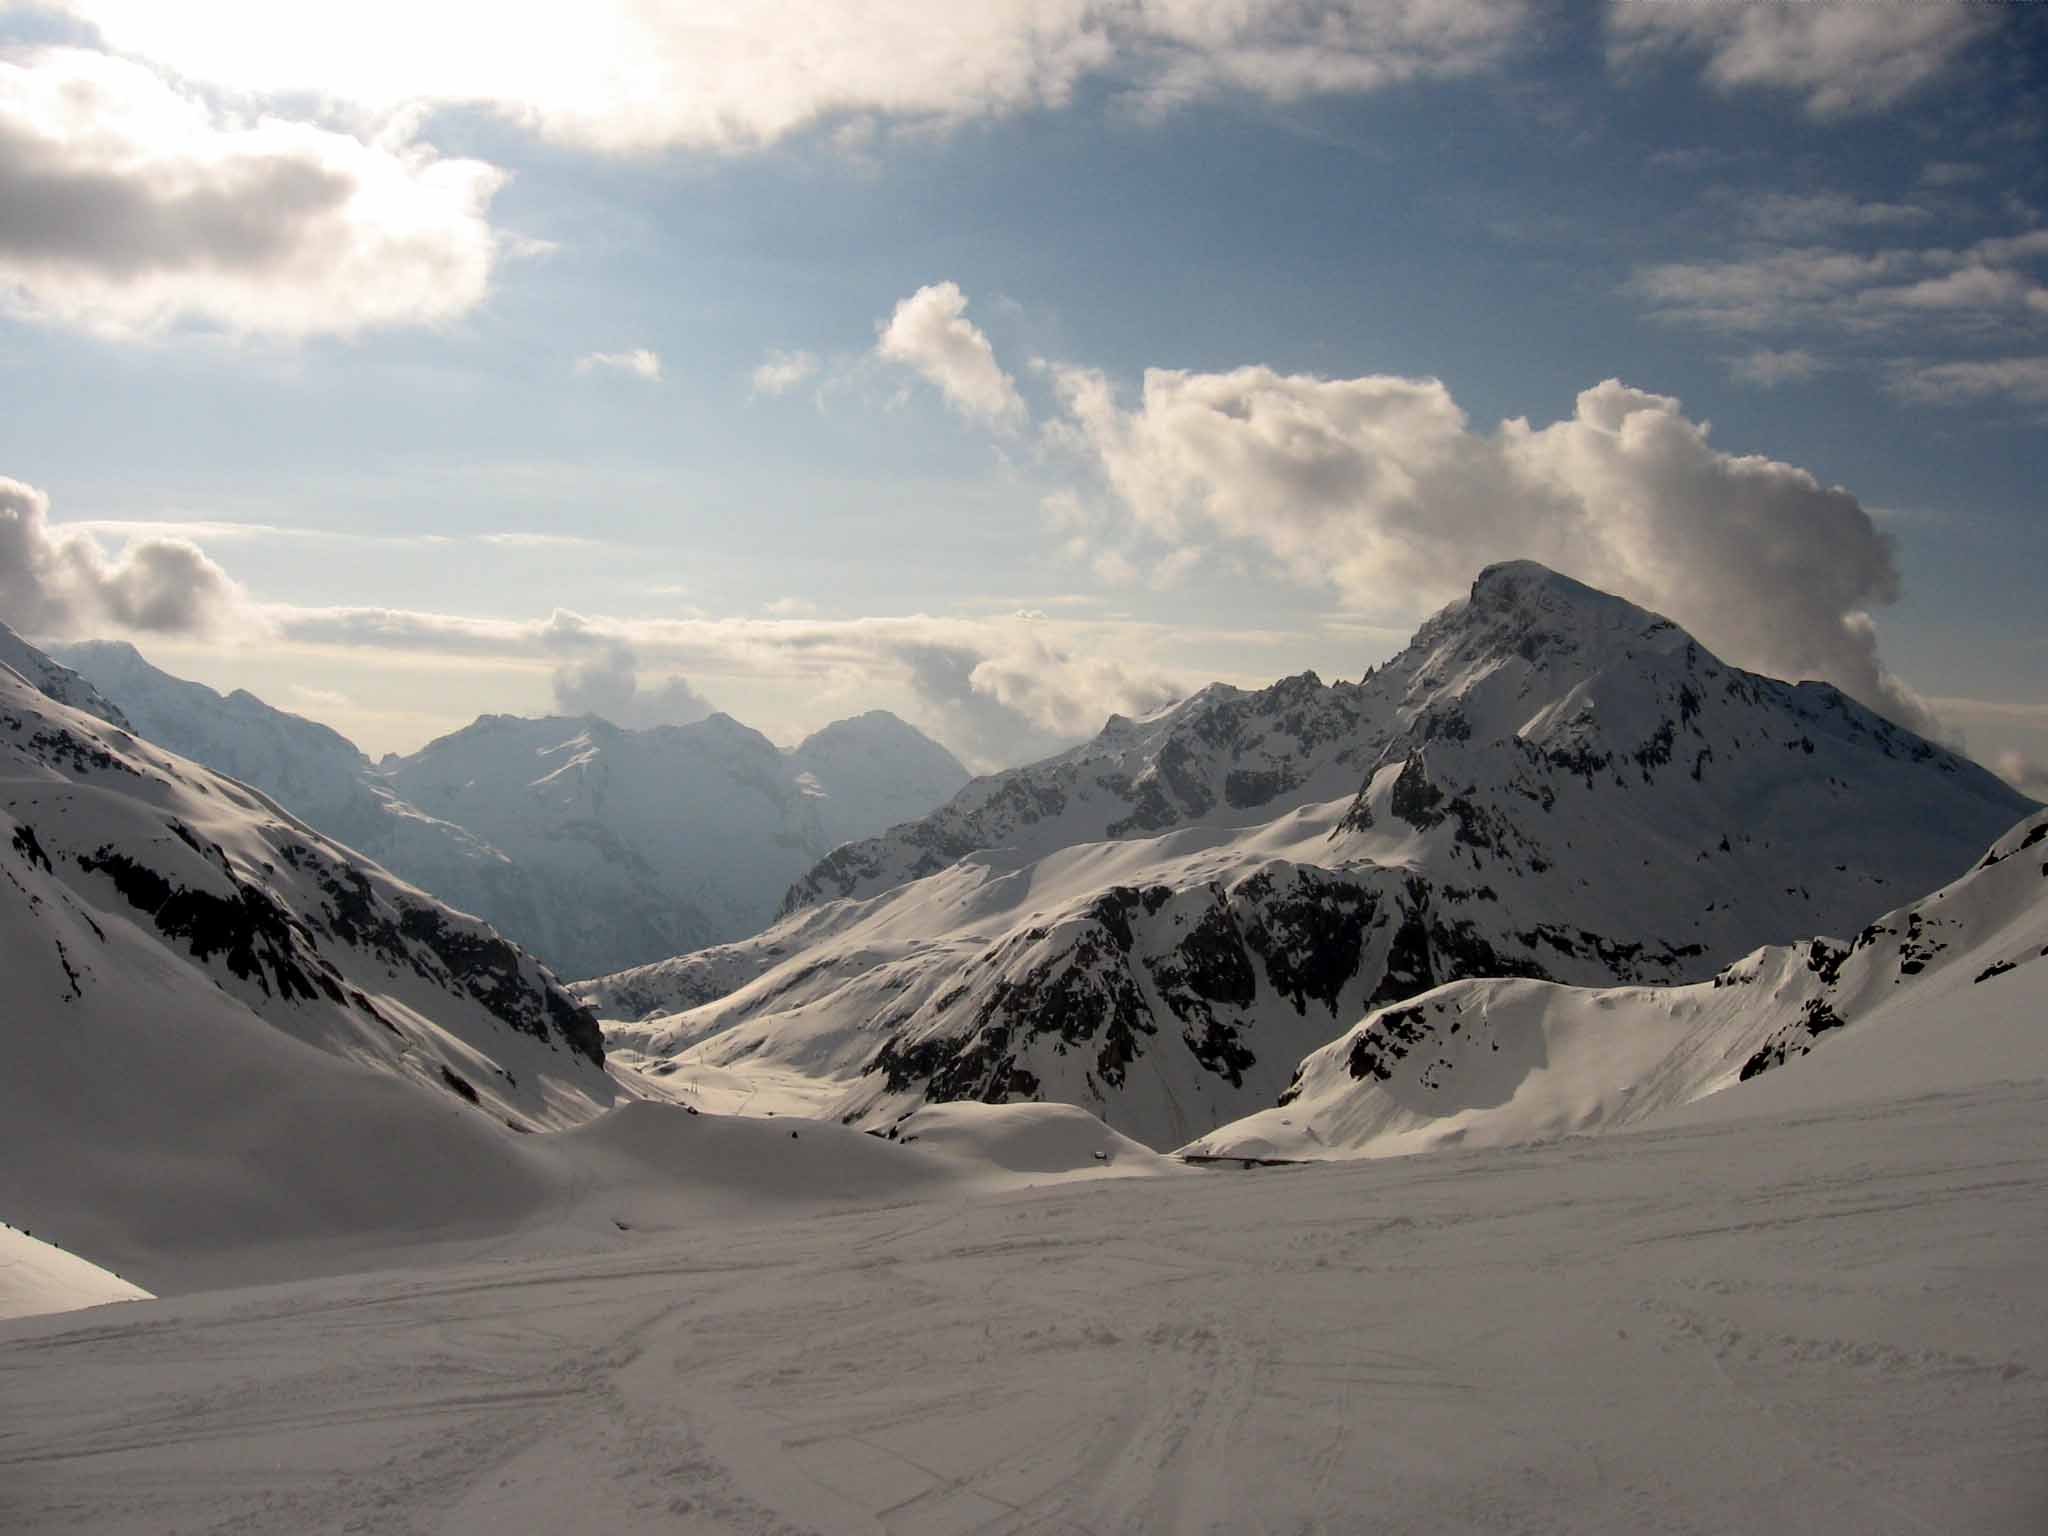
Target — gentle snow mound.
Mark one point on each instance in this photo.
(38, 1278)
(1028, 1138)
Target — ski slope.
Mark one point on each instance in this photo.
(1821, 1321)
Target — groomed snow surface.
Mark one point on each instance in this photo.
(1823, 1321)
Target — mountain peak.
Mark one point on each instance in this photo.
(1519, 608)
(1527, 589)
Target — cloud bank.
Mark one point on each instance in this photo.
(60, 584)
(133, 205)
(997, 691)
(1379, 488)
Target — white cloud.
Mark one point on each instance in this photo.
(60, 584)
(1768, 369)
(1794, 286)
(1975, 287)
(790, 608)
(133, 205)
(1843, 59)
(930, 332)
(331, 700)
(1799, 216)
(780, 372)
(1765, 291)
(602, 677)
(548, 541)
(2024, 379)
(626, 75)
(641, 362)
(1950, 173)
(1378, 488)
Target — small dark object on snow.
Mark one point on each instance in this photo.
(792, 1135)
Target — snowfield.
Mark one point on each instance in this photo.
(1815, 1321)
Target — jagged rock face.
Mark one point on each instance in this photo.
(593, 846)
(1224, 756)
(249, 906)
(1548, 783)
(1501, 706)
(1489, 1062)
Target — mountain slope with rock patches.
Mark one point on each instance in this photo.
(1548, 783)
(594, 846)
(1947, 991)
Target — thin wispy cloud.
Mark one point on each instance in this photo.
(640, 363)
(1841, 60)
(1767, 369)
(2022, 379)
(780, 372)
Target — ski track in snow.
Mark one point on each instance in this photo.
(1824, 1321)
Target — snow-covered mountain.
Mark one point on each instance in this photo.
(1948, 990)
(1548, 783)
(56, 680)
(593, 846)
(195, 979)
(646, 844)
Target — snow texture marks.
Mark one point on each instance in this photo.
(1746, 1328)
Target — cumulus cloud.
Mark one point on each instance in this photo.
(1379, 487)
(780, 372)
(629, 76)
(59, 583)
(641, 362)
(1843, 59)
(930, 332)
(1024, 699)
(133, 205)
(600, 675)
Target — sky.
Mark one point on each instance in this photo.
(1010, 365)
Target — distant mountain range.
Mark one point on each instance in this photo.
(1548, 783)
(594, 846)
